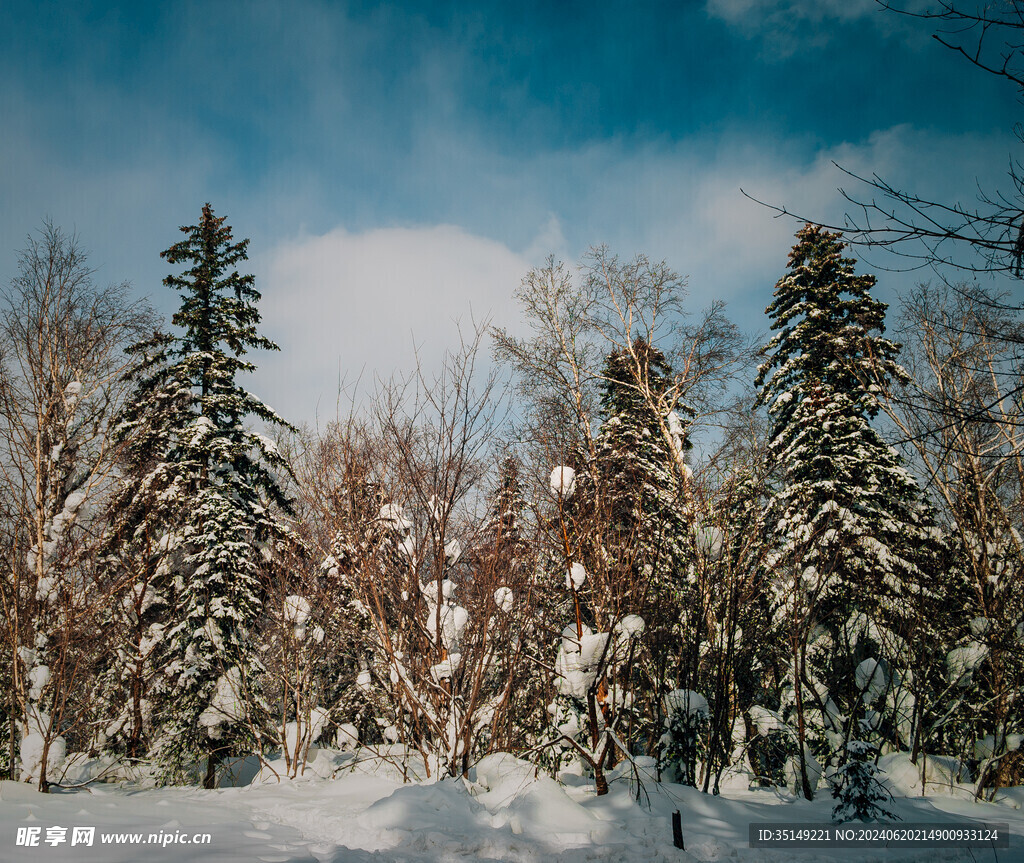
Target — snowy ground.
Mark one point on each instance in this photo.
(506, 813)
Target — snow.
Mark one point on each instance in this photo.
(575, 576)
(393, 515)
(227, 705)
(872, 679)
(980, 626)
(710, 539)
(32, 756)
(347, 736)
(296, 610)
(579, 656)
(454, 618)
(408, 547)
(452, 551)
(563, 481)
(686, 701)
(985, 747)
(72, 393)
(446, 668)
(503, 811)
(766, 721)
(631, 626)
(962, 661)
(503, 598)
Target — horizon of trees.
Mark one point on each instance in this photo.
(521, 556)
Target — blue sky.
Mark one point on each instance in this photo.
(398, 166)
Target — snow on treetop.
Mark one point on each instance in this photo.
(632, 626)
(268, 445)
(563, 481)
(578, 660)
(570, 638)
(429, 590)
(446, 667)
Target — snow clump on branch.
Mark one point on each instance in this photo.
(563, 481)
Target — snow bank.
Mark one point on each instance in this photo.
(903, 778)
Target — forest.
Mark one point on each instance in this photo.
(628, 536)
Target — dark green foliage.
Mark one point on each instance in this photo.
(639, 472)
(848, 517)
(857, 790)
(851, 538)
(215, 483)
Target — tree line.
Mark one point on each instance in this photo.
(520, 552)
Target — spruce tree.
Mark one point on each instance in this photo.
(639, 524)
(222, 501)
(638, 466)
(502, 544)
(847, 520)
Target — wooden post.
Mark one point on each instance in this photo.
(677, 830)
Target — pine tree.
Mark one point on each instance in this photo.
(501, 544)
(639, 468)
(218, 482)
(857, 790)
(848, 522)
(628, 523)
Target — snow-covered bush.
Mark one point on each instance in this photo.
(686, 717)
(773, 742)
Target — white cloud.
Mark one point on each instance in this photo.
(358, 306)
(752, 13)
(787, 26)
(345, 305)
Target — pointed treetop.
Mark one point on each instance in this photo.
(218, 304)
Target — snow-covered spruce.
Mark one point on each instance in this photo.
(223, 503)
(856, 787)
(851, 536)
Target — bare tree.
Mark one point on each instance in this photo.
(61, 361)
(960, 411)
(630, 310)
(433, 606)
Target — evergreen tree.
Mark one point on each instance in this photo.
(218, 480)
(847, 522)
(639, 469)
(628, 522)
(502, 544)
(857, 791)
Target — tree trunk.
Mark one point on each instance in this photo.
(209, 781)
